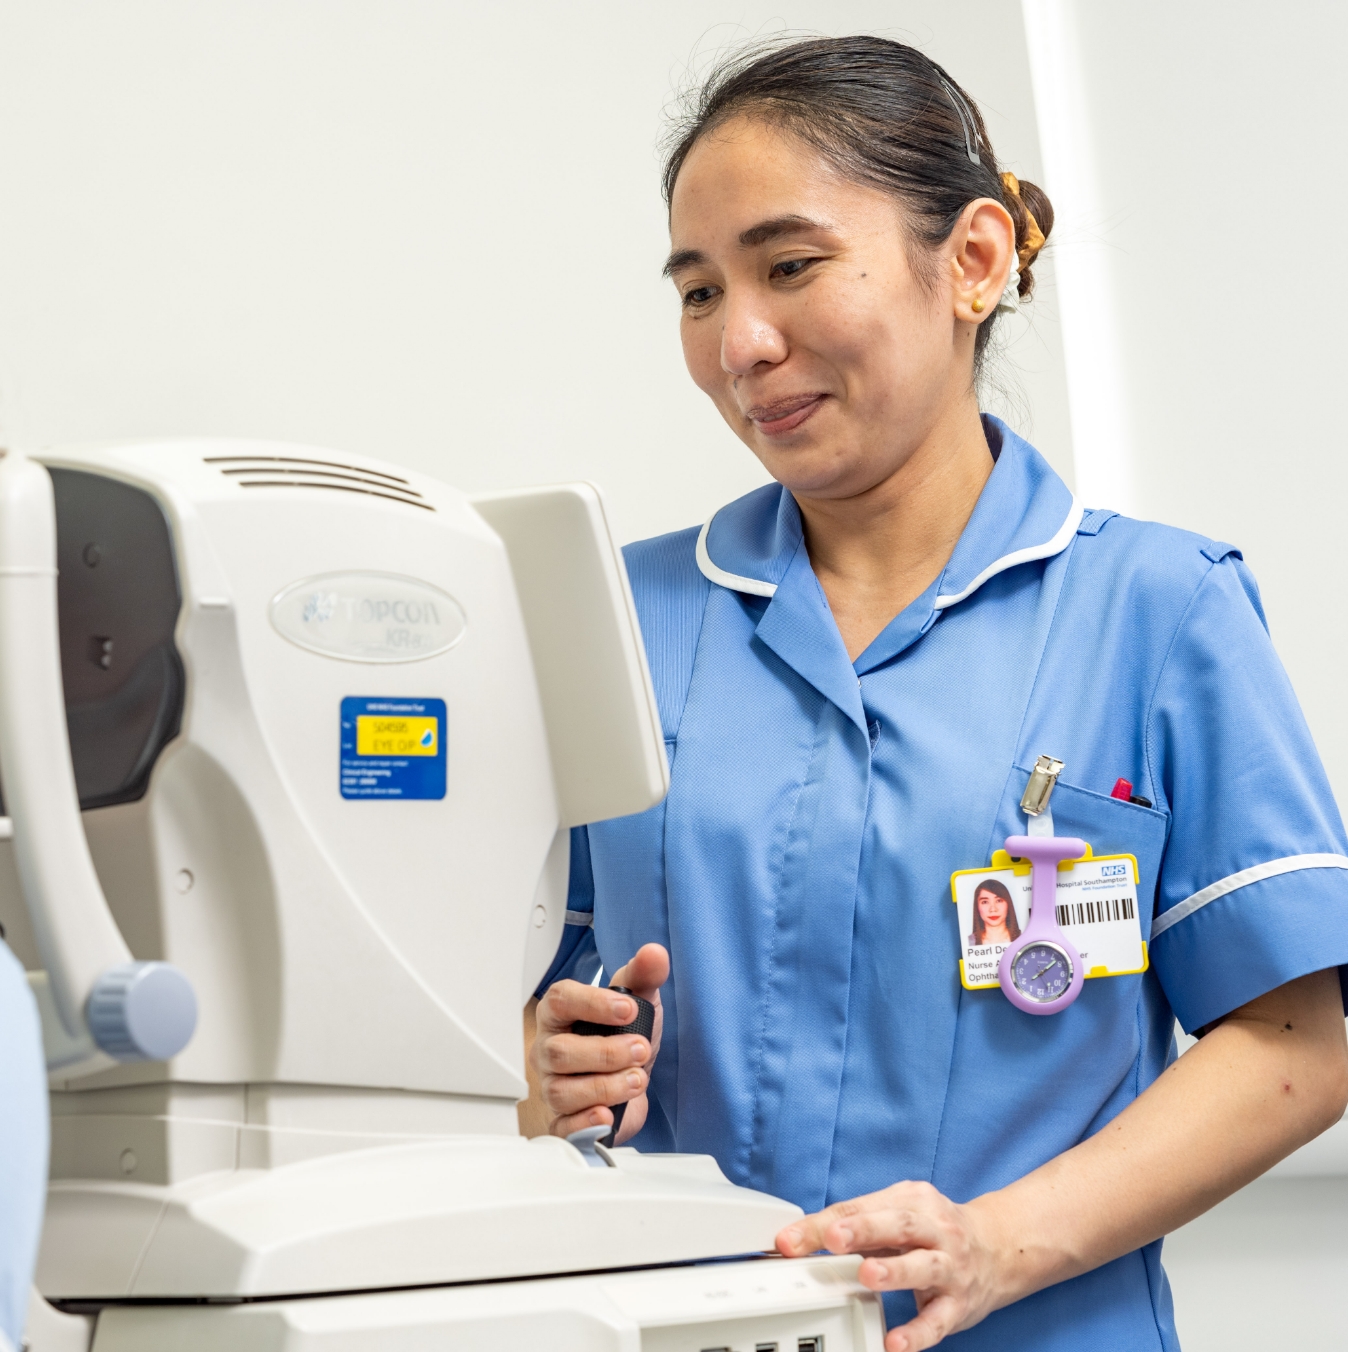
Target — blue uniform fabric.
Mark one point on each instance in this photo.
(576, 956)
(23, 1144)
(817, 1040)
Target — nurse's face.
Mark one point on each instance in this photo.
(802, 316)
(993, 909)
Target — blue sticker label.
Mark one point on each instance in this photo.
(393, 748)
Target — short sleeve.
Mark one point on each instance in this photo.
(1253, 889)
(577, 956)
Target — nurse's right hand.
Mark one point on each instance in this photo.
(582, 1077)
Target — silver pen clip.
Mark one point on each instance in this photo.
(1034, 801)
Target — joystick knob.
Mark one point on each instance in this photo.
(643, 1025)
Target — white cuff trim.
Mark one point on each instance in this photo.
(733, 581)
(1292, 864)
(1047, 550)
(586, 918)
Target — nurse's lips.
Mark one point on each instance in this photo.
(784, 415)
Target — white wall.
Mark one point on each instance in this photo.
(1267, 1269)
(419, 229)
(1214, 136)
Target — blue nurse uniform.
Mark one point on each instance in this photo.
(817, 1039)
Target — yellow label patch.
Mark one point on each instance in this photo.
(379, 736)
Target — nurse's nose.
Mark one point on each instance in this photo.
(749, 337)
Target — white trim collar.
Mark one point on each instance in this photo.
(731, 581)
(1062, 537)
(756, 587)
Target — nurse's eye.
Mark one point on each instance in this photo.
(698, 297)
(791, 267)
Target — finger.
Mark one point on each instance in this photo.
(807, 1234)
(937, 1321)
(804, 1236)
(917, 1270)
(872, 1231)
(633, 1119)
(567, 1001)
(646, 973)
(571, 1054)
(566, 1094)
(591, 1117)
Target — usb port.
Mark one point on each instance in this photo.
(815, 1344)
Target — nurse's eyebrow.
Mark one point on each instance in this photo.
(680, 259)
(762, 233)
(776, 228)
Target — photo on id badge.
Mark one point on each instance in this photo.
(994, 909)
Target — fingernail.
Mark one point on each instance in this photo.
(639, 1050)
(791, 1236)
(596, 1118)
(634, 1079)
(622, 1009)
(845, 1236)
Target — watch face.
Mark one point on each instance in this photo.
(1041, 972)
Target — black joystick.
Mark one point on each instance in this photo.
(643, 1025)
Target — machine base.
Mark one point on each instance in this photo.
(797, 1305)
(464, 1209)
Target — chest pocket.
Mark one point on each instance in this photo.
(1108, 825)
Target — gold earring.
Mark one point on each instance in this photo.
(976, 305)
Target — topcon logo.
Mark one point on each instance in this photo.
(368, 617)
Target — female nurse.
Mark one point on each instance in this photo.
(842, 240)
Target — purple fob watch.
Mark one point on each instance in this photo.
(1041, 971)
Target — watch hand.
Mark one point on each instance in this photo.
(1041, 971)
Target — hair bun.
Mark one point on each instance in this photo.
(1032, 213)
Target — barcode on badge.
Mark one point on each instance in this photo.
(1094, 912)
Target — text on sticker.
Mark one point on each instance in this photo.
(379, 736)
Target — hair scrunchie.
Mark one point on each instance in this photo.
(1034, 236)
(1009, 301)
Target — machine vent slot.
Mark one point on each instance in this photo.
(289, 471)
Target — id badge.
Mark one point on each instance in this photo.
(1096, 909)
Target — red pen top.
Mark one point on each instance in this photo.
(1122, 789)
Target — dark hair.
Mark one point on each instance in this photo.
(884, 114)
(998, 890)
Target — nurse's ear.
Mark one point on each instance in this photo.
(982, 253)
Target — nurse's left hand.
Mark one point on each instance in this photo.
(915, 1239)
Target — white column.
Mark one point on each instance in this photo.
(1092, 348)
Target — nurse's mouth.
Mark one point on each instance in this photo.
(785, 415)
